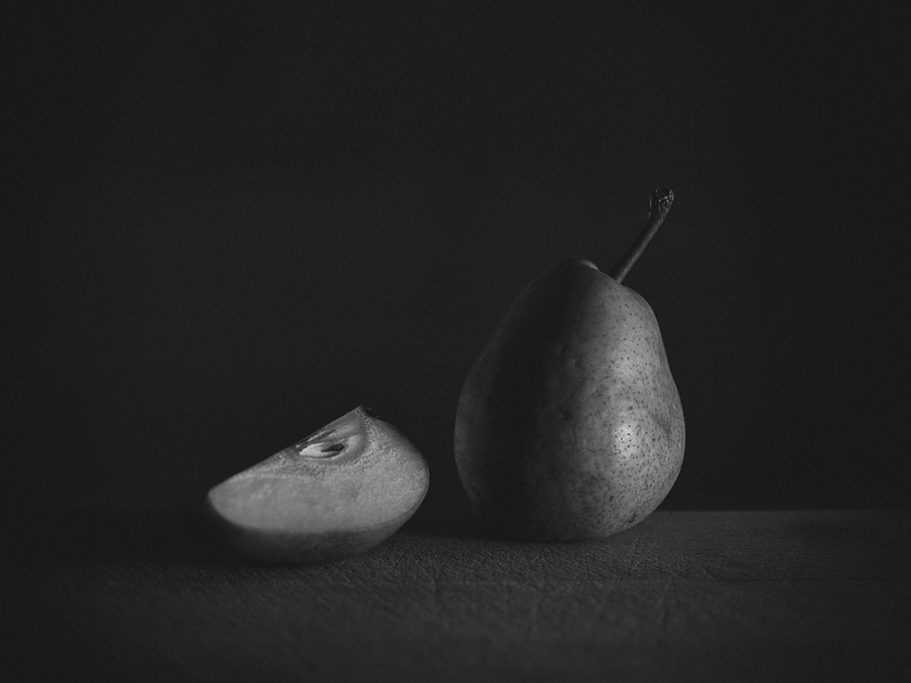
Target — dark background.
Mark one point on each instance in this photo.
(230, 224)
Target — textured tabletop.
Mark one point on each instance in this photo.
(735, 596)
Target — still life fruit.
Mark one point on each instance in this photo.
(336, 493)
(569, 424)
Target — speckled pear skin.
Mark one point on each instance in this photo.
(569, 425)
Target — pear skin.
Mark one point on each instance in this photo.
(569, 425)
(336, 493)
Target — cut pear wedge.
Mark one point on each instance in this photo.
(336, 493)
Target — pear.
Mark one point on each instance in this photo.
(336, 493)
(569, 424)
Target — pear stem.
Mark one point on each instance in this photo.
(661, 201)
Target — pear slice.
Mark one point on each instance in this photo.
(336, 493)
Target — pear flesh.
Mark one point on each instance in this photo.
(336, 493)
(569, 425)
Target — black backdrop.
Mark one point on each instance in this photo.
(231, 223)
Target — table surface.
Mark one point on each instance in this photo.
(733, 596)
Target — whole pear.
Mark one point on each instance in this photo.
(335, 493)
(569, 424)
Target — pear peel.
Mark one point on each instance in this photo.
(569, 424)
(336, 493)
